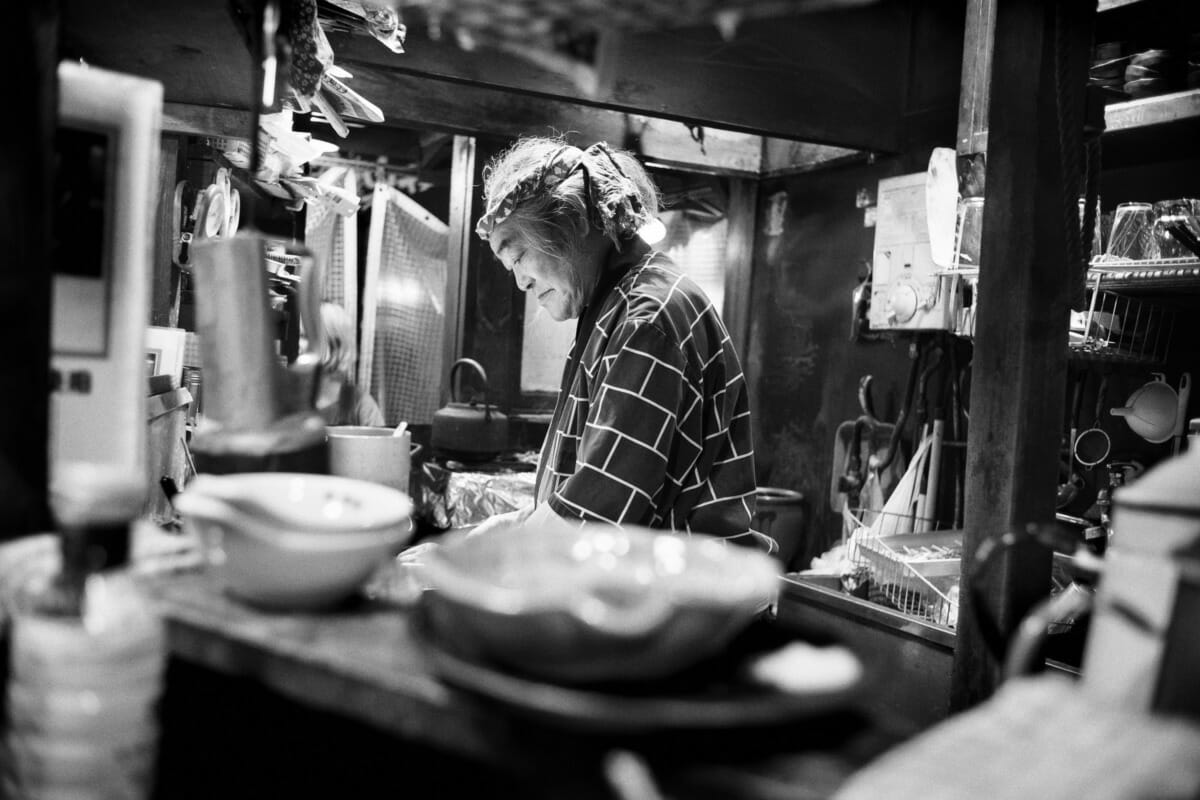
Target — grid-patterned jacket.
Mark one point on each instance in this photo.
(654, 426)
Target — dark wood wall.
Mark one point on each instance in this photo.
(28, 47)
(803, 368)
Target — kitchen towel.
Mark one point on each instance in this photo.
(404, 292)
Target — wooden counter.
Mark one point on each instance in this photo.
(915, 656)
(361, 666)
(359, 662)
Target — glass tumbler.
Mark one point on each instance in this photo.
(1132, 236)
(970, 232)
(1171, 214)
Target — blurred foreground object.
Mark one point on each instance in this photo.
(578, 603)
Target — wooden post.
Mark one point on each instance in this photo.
(978, 39)
(739, 260)
(462, 175)
(1020, 360)
(28, 45)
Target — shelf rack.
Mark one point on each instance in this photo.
(1160, 275)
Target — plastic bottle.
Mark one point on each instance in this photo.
(87, 656)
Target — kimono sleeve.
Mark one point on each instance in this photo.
(631, 430)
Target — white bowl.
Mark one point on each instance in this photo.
(297, 500)
(311, 552)
(588, 603)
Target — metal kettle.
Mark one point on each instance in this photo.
(468, 430)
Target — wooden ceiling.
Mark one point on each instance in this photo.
(874, 78)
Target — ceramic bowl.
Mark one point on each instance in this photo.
(1146, 87)
(1136, 72)
(297, 500)
(319, 541)
(587, 603)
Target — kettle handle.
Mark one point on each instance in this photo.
(478, 368)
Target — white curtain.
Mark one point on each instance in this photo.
(403, 307)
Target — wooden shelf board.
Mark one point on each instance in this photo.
(1157, 110)
(1109, 5)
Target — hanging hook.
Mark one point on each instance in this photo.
(865, 400)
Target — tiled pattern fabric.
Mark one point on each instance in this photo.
(654, 428)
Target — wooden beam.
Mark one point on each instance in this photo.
(413, 101)
(978, 43)
(474, 111)
(164, 275)
(834, 77)
(27, 48)
(458, 248)
(739, 261)
(1020, 359)
(197, 120)
(781, 158)
(829, 77)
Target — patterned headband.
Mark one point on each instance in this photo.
(614, 198)
(553, 171)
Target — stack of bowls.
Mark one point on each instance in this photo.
(1153, 72)
(295, 541)
(1108, 70)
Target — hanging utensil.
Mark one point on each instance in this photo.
(1152, 410)
(1070, 481)
(1185, 394)
(1093, 445)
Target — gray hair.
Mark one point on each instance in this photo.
(557, 192)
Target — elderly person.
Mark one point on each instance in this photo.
(340, 401)
(652, 423)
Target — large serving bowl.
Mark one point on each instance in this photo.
(592, 603)
(296, 541)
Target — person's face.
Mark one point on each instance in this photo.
(560, 286)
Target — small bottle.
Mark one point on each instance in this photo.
(87, 653)
(1193, 442)
(193, 381)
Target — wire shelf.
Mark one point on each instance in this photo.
(1175, 275)
(1121, 328)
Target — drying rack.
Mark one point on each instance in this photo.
(1121, 327)
(915, 573)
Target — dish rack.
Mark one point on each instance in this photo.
(1119, 327)
(915, 573)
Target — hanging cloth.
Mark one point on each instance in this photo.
(404, 292)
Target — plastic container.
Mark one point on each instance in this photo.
(87, 655)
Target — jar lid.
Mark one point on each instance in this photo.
(83, 493)
(1172, 487)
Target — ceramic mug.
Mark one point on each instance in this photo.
(370, 454)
